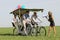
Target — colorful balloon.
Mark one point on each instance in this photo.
(23, 6)
(19, 6)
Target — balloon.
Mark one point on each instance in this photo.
(19, 6)
(23, 6)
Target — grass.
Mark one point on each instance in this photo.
(5, 35)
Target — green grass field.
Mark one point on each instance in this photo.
(4, 35)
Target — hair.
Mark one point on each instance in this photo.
(50, 13)
(34, 12)
(14, 16)
(27, 11)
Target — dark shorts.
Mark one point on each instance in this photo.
(52, 24)
(13, 24)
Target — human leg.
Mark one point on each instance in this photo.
(54, 29)
(24, 23)
(49, 30)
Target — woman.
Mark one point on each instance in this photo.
(52, 24)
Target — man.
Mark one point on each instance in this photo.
(14, 23)
(26, 19)
(35, 18)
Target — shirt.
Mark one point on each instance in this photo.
(25, 16)
(14, 20)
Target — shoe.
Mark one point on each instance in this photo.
(19, 34)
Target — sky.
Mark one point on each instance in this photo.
(7, 6)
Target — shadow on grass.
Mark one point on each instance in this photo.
(12, 35)
(8, 35)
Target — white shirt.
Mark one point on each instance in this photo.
(14, 20)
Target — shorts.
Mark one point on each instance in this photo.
(13, 24)
(52, 24)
